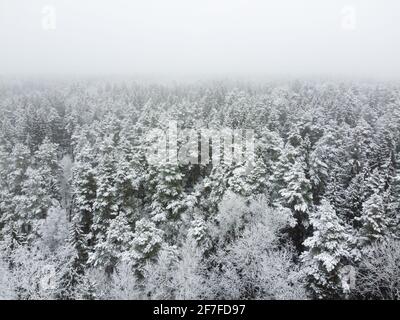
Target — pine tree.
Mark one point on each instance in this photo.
(40, 189)
(352, 199)
(115, 247)
(13, 174)
(374, 222)
(167, 195)
(327, 251)
(297, 196)
(106, 205)
(297, 193)
(146, 243)
(84, 193)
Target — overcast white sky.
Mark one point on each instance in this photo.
(281, 37)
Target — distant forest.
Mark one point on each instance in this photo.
(85, 215)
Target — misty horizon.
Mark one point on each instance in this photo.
(356, 39)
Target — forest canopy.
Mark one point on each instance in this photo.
(84, 214)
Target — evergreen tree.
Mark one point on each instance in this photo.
(146, 243)
(374, 222)
(327, 252)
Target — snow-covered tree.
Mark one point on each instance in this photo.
(378, 273)
(327, 251)
(147, 241)
(374, 222)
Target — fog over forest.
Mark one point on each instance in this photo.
(185, 149)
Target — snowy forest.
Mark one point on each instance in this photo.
(85, 215)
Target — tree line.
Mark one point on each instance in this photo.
(85, 215)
